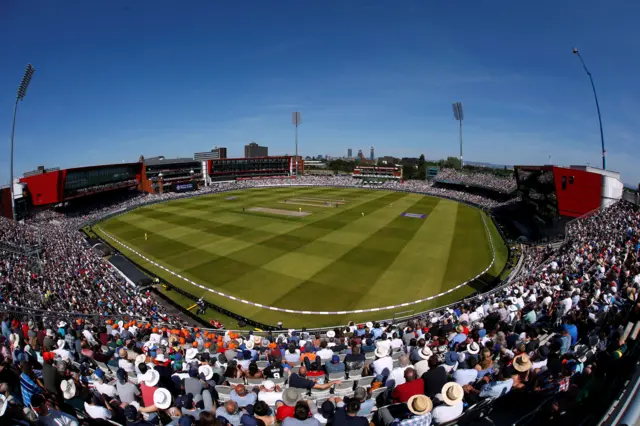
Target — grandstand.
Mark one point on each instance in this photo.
(555, 342)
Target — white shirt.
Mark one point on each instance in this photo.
(397, 343)
(380, 364)
(97, 412)
(62, 353)
(465, 376)
(325, 353)
(397, 375)
(421, 367)
(270, 397)
(126, 365)
(105, 389)
(444, 413)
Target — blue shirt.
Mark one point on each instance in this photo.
(29, 389)
(573, 332)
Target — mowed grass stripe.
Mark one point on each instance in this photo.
(420, 265)
(364, 263)
(301, 264)
(276, 246)
(470, 250)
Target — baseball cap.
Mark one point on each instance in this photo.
(335, 359)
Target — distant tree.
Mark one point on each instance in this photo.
(409, 172)
(422, 168)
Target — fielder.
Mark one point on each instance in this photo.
(363, 214)
(145, 236)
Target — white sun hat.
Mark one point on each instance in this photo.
(331, 333)
(151, 378)
(68, 389)
(162, 398)
(206, 370)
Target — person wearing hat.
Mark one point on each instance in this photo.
(453, 396)
(383, 364)
(335, 366)
(269, 393)
(286, 407)
(419, 412)
(51, 377)
(148, 386)
(422, 366)
(102, 387)
(126, 391)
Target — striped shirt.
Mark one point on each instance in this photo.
(29, 389)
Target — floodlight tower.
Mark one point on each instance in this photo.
(593, 87)
(22, 91)
(296, 119)
(458, 114)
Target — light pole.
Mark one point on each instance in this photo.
(458, 114)
(595, 95)
(22, 90)
(296, 119)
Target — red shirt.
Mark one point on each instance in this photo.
(284, 411)
(405, 391)
(147, 394)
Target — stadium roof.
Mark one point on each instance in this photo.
(157, 161)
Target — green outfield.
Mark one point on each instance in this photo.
(312, 249)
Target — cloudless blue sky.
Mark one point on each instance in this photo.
(116, 79)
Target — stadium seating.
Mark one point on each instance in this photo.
(561, 333)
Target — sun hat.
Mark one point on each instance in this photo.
(419, 404)
(451, 358)
(522, 363)
(460, 329)
(331, 334)
(191, 354)
(369, 324)
(207, 371)
(249, 344)
(60, 344)
(68, 389)
(381, 351)
(291, 332)
(473, 348)
(425, 353)
(269, 385)
(452, 393)
(162, 398)
(151, 378)
(290, 396)
(140, 359)
(160, 358)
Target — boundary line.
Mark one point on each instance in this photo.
(304, 312)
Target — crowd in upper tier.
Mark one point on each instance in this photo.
(478, 179)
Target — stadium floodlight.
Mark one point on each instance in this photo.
(595, 95)
(458, 114)
(22, 91)
(296, 119)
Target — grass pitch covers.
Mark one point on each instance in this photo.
(332, 260)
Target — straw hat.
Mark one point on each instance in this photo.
(269, 385)
(68, 389)
(425, 353)
(249, 344)
(151, 378)
(452, 393)
(419, 405)
(207, 371)
(369, 324)
(162, 398)
(522, 363)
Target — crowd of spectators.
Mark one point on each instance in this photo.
(552, 335)
(477, 179)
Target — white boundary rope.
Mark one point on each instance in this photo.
(293, 311)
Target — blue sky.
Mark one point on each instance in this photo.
(116, 79)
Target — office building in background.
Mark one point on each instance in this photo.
(349, 153)
(372, 155)
(215, 154)
(254, 150)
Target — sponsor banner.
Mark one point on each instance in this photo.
(414, 215)
(185, 187)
